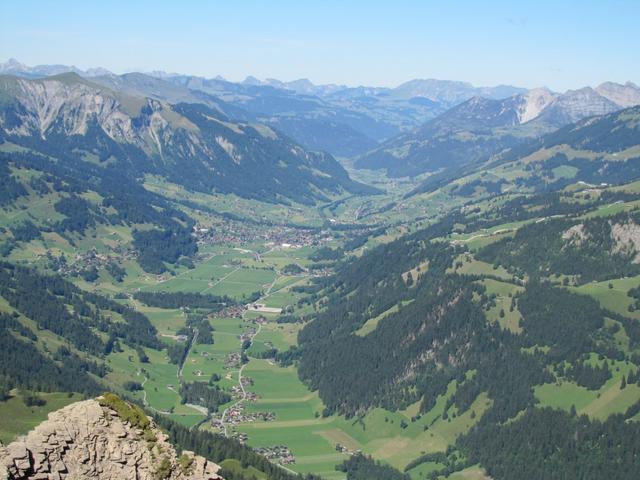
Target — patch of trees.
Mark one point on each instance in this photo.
(183, 299)
(131, 386)
(59, 306)
(177, 352)
(7, 247)
(79, 212)
(116, 271)
(65, 356)
(25, 231)
(10, 187)
(292, 269)
(289, 319)
(22, 365)
(635, 294)
(327, 254)
(205, 332)
(587, 376)
(361, 467)
(158, 246)
(10, 322)
(199, 393)
(565, 321)
(553, 444)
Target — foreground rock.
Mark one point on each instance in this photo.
(98, 439)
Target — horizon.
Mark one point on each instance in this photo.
(353, 45)
(158, 73)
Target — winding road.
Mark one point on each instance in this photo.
(244, 392)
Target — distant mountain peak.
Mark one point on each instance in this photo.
(626, 95)
(251, 80)
(451, 92)
(534, 102)
(14, 67)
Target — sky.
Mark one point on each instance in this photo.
(560, 44)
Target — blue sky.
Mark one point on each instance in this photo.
(560, 44)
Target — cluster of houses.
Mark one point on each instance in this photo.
(277, 454)
(238, 414)
(232, 360)
(241, 233)
(86, 260)
(232, 311)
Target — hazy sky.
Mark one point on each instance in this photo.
(561, 44)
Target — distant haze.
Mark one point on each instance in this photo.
(561, 45)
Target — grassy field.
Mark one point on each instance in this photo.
(595, 403)
(613, 297)
(16, 418)
(501, 312)
(471, 266)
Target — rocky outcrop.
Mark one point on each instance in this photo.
(627, 239)
(574, 105)
(533, 103)
(87, 440)
(627, 95)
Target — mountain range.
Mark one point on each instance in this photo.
(189, 143)
(344, 121)
(482, 127)
(378, 125)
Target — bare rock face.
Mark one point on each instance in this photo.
(533, 103)
(86, 440)
(626, 95)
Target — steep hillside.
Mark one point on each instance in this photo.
(190, 144)
(465, 134)
(314, 122)
(506, 320)
(75, 331)
(598, 150)
(480, 128)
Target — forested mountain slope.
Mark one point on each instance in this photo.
(189, 144)
(601, 149)
(512, 315)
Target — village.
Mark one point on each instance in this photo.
(229, 232)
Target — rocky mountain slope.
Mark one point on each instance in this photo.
(450, 93)
(191, 144)
(481, 127)
(344, 121)
(100, 439)
(625, 95)
(575, 105)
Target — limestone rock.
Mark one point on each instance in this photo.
(88, 441)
